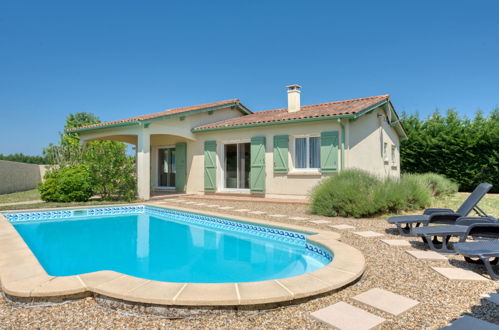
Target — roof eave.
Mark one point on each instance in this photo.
(237, 104)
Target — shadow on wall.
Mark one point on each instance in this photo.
(15, 176)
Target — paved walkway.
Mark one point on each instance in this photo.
(22, 203)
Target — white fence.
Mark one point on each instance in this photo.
(16, 176)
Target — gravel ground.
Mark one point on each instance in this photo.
(389, 268)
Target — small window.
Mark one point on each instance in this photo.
(394, 154)
(385, 151)
(307, 152)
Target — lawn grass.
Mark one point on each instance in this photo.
(489, 203)
(21, 196)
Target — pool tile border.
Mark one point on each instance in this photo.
(21, 275)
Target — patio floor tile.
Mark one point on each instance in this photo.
(278, 215)
(342, 227)
(297, 218)
(242, 210)
(396, 242)
(386, 301)
(320, 221)
(459, 274)
(213, 205)
(469, 322)
(428, 255)
(368, 233)
(190, 202)
(226, 208)
(347, 317)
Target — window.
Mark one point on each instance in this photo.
(394, 154)
(307, 152)
(385, 151)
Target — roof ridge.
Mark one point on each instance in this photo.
(326, 103)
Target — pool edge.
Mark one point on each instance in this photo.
(21, 275)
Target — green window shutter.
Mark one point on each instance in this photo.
(210, 166)
(180, 166)
(257, 172)
(329, 151)
(281, 143)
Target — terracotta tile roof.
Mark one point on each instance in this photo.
(158, 114)
(308, 111)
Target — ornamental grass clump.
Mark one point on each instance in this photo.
(356, 193)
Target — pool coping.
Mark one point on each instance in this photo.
(21, 275)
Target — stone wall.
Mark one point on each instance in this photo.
(15, 176)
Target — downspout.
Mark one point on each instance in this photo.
(342, 144)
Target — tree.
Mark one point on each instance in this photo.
(461, 149)
(112, 171)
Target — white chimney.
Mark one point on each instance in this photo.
(293, 98)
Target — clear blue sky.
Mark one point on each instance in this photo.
(124, 58)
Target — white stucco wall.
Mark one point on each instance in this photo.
(277, 184)
(366, 137)
(16, 176)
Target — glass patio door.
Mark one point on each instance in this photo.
(166, 167)
(237, 165)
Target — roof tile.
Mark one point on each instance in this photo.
(159, 114)
(308, 111)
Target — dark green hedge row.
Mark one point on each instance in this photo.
(464, 150)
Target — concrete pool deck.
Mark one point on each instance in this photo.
(21, 275)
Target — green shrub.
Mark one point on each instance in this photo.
(67, 184)
(355, 193)
(439, 184)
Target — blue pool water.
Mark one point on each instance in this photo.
(165, 245)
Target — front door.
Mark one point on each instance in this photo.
(166, 168)
(237, 165)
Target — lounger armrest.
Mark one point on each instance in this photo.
(467, 221)
(444, 218)
(437, 210)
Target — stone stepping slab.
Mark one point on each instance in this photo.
(344, 316)
(297, 218)
(386, 301)
(319, 222)
(468, 322)
(367, 233)
(453, 273)
(396, 242)
(342, 227)
(428, 255)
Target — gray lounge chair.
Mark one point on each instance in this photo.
(476, 227)
(405, 223)
(487, 253)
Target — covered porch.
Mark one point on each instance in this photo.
(161, 159)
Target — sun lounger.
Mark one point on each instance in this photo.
(475, 227)
(487, 253)
(406, 223)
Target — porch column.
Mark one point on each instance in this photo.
(143, 165)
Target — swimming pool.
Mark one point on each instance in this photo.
(167, 245)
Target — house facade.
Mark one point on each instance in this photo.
(225, 148)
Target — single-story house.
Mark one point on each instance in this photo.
(224, 147)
